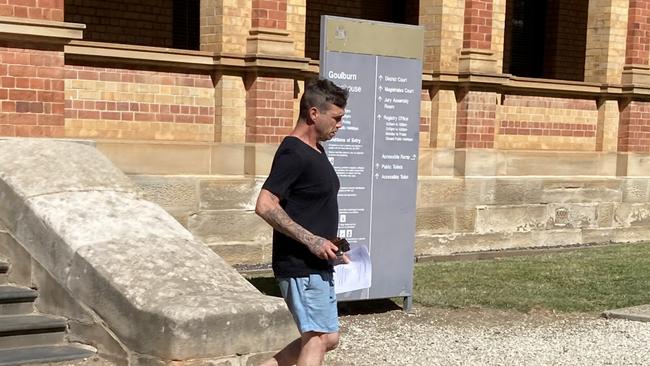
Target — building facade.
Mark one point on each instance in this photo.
(535, 115)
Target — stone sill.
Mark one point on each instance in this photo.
(506, 83)
(299, 67)
(40, 30)
(97, 51)
(186, 59)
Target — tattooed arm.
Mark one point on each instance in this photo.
(268, 207)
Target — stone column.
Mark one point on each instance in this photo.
(269, 100)
(224, 27)
(475, 121)
(443, 40)
(296, 24)
(605, 57)
(443, 34)
(608, 125)
(477, 56)
(636, 69)
(633, 135)
(606, 38)
(268, 34)
(269, 109)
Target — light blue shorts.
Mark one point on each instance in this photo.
(312, 302)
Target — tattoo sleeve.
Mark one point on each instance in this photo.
(281, 222)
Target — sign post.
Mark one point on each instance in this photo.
(375, 153)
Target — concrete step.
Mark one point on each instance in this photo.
(16, 300)
(31, 330)
(43, 354)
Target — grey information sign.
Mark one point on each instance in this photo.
(375, 154)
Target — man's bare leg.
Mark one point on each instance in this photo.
(314, 347)
(287, 356)
(292, 354)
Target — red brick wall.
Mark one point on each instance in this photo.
(31, 90)
(638, 32)
(32, 9)
(634, 128)
(149, 101)
(138, 22)
(557, 114)
(477, 32)
(269, 110)
(381, 10)
(269, 14)
(476, 120)
(523, 128)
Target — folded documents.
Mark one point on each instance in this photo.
(355, 275)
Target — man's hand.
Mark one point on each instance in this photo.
(342, 259)
(268, 208)
(323, 248)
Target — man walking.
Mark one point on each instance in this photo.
(299, 200)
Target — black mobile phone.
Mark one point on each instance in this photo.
(342, 244)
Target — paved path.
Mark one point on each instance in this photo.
(638, 313)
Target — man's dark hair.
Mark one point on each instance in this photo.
(319, 93)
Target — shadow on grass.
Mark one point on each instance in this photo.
(268, 286)
(363, 307)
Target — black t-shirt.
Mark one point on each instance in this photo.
(307, 186)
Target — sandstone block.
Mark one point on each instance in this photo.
(220, 194)
(491, 219)
(229, 226)
(638, 164)
(172, 193)
(629, 235)
(597, 235)
(635, 190)
(571, 215)
(581, 190)
(516, 191)
(158, 158)
(434, 220)
(580, 195)
(632, 214)
(465, 219)
(229, 158)
(605, 214)
(445, 244)
(520, 163)
(454, 191)
(553, 238)
(243, 253)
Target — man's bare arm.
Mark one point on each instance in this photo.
(268, 207)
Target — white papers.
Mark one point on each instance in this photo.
(355, 275)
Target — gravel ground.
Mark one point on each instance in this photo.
(429, 337)
(489, 337)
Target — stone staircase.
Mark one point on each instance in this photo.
(28, 337)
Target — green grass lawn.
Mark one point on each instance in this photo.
(585, 280)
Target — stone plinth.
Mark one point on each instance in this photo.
(163, 294)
